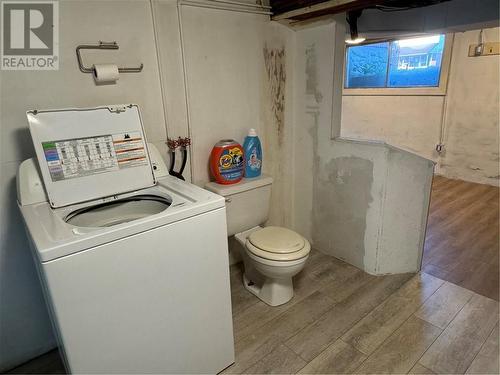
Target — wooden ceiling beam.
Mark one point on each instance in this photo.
(318, 9)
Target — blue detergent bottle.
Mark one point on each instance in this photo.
(253, 154)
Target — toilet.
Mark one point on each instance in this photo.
(271, 255)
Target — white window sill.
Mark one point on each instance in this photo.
(411, 91)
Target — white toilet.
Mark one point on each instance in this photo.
(271, 255)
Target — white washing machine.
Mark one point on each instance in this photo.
(134, 262)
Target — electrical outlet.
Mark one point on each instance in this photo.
(490, 48)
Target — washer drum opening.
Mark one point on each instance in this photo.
(119, 211)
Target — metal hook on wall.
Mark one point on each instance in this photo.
(102, 45)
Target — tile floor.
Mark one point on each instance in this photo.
(342, 320)
(345, 321)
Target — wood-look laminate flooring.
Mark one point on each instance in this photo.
(462, 239)
(342, 320)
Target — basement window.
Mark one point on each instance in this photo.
(410, 66)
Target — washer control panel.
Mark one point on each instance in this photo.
(80, 157)
(90, 153)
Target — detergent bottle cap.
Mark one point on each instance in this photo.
(252, 133)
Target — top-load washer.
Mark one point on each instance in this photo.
(133, 262)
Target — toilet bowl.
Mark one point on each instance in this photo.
(272, 256)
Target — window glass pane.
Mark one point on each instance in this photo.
(416, 61)
(367, 65)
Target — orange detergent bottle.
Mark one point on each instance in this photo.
(227, 162)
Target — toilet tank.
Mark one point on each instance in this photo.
(247, 202)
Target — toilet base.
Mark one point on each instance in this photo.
(274, 292)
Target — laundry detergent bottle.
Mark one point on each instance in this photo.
(227, 162)
(253, 154)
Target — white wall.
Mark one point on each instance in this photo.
(228, 89)
(207, 79)
(414, 122)
(398, 120)
(230, 92)
(223, 78)
(472, 114)
(24, 326)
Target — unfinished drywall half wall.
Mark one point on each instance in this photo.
(337, 182)
(346, 191)
(468, 115)
(347, 198)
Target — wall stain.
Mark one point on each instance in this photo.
(274, 60)
(312, 74)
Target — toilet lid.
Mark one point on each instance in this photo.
(277, 240)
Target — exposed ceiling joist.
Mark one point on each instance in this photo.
(301, 10)
(305, 9)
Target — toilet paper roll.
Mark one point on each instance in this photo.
(106, 73)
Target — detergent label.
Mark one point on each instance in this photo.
(231, 163)
(253, 161)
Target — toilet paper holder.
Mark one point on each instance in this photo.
(102, 45)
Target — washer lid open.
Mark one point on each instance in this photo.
(86, 154)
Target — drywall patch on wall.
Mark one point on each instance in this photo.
(274, 61)
(342, 197)
(312, 74)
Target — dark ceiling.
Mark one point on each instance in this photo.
(285, 8)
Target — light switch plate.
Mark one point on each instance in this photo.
(490, 48)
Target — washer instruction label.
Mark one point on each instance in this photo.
(93, 155)
(129, 150)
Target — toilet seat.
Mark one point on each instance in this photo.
(279, 244)
(277, 240)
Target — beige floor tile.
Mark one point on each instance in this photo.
(487, 361)
(334, 277)
(313, 339)
(280, 361)
(399, 353)
(379, 324)
(254, 347)
(338, 358)
(456, 348)
(442, 306)
(241, 299)
(419, 369)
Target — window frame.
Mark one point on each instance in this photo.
(402, 91)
